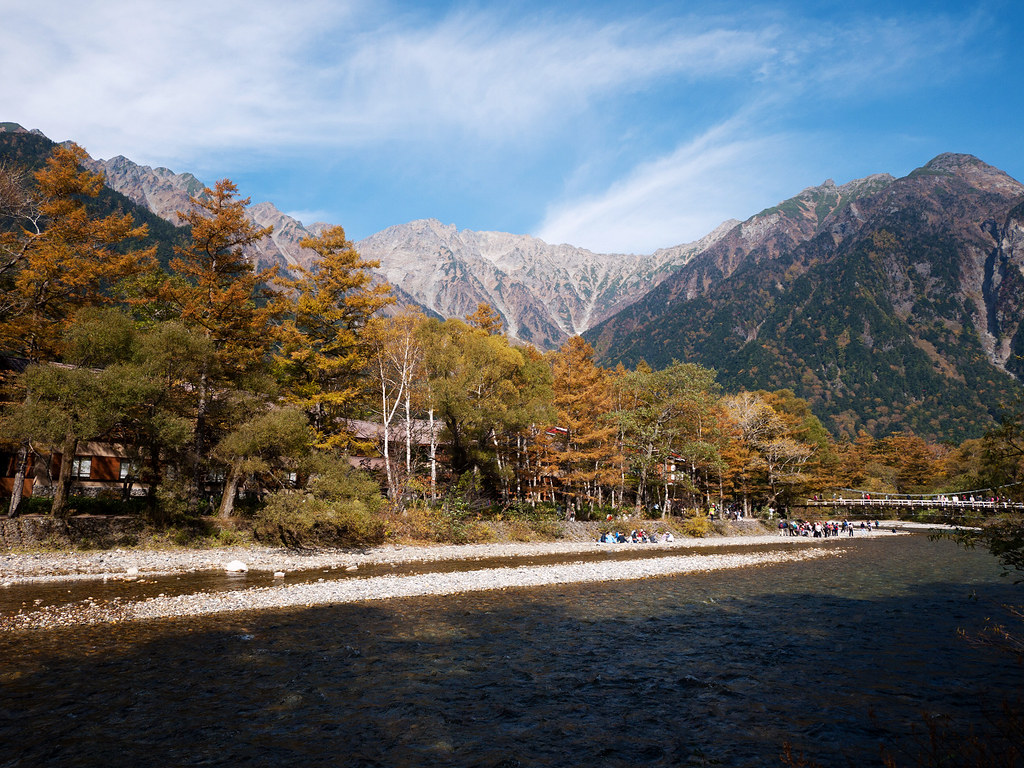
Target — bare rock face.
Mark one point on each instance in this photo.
(544, 293)
(283, 243)
(158, 189)
(165, 193)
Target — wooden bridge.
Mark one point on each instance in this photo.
(942, 505)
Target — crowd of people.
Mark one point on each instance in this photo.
(817, 529)
(823, 529)
(636, 536)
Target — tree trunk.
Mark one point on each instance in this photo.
(153, 476)
(519, 468)
(126, 488)
(19, 480)
(227, 501)
(128, 483)
(67, 462)
(200, 439)
(408, 436)
(389, 471)
(433, 459)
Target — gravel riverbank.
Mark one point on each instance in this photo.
(131, 564)
(38, 567)
(383, 587)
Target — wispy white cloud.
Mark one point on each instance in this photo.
(752, 159)
(168, 78)
(475, 73)
(677, 198)
(310, 216)
(185, 84)
(878, 54)
(195, 75)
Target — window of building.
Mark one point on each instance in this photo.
(126, 470)
(81, 468)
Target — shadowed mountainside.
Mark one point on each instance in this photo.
(888, 303)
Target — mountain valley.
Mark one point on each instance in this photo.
(888, 303)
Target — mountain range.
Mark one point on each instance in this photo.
(889, 303)
(544, 293)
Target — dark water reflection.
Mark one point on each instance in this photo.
(838, 657)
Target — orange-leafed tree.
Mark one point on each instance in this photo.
(917, 463)
(323, 350)
(486, 318)
(581, 447)
(56, 257)
(216, 290)
(62, 257)
(216, 287)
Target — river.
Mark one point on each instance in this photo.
(840, 658)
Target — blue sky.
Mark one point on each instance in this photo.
(620, 127)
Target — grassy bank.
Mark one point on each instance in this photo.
(421, 527)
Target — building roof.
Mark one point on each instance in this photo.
(420, 429)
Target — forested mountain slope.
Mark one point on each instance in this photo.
(28, 150)
(889, 304)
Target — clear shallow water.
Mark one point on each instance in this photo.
(839, 657)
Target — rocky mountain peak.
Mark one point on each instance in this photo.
(165, 192)
(888, 303)
(954, 162)
(975, 172)
(544, 293)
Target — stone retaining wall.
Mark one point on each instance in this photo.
(78, 531)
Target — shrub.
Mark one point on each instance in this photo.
(339, 506)
(172, 504)
(303, 520)
(697, 527)
(481, 532)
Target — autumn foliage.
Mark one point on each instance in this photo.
(226, 382)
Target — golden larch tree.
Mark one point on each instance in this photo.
(68, 258)
(582, 446)
(216, 290)
(323, 352)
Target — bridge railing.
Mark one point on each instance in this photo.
(944, 504)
